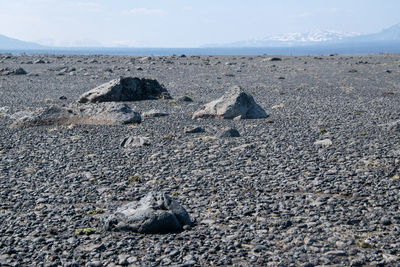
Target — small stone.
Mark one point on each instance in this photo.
(197, 129)
(386, 221)
(229, 132)
(336, 253)
(324, 142)
(135, 141)
(154, 113)
(185, 99)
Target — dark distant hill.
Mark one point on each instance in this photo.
(8, 43)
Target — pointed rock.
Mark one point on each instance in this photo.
(234, 104)
(125, 89)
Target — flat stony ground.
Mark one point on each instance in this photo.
(270, 196)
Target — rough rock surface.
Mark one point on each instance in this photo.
(234, 104)
(125, 89)
(93, 114)
(268, 198)
(156, 213)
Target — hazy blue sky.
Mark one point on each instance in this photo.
(186, 23)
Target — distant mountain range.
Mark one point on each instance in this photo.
(7, 43)
(318, 38)
(316, 43)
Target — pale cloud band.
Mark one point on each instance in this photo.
(145, 11)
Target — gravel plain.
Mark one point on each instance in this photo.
(271, 197)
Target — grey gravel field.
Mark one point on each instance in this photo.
(315, 183)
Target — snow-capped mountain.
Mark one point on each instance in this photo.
(319, 36)
(391, 34)
(295, 39)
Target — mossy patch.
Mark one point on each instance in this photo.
(95, 211)
(134, 179)
(85, 231)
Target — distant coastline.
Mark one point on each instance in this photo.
(363, 48)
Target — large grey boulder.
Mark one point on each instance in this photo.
(95, 114)
(107, 113)
(234, 104)
(41, 116)
(125, 89)
(156, 213)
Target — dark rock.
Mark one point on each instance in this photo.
(196, 129)
(62, 97)
(234, 104)
(185, 99)
(229, 132)
(124, 89)
(275, 59)
(19, 71)
(154, 214)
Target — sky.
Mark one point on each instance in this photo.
(185, 23)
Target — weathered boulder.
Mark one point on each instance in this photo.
(107, 113)
(156, 213)
(125, 89)
(234, 104)
(41, 116)
(96, 114)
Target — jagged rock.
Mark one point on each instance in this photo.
(135, 141)
(228, 132)
(156, 213)
(96, 114)
(125, 89)
(153, 113)
(234, 104)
